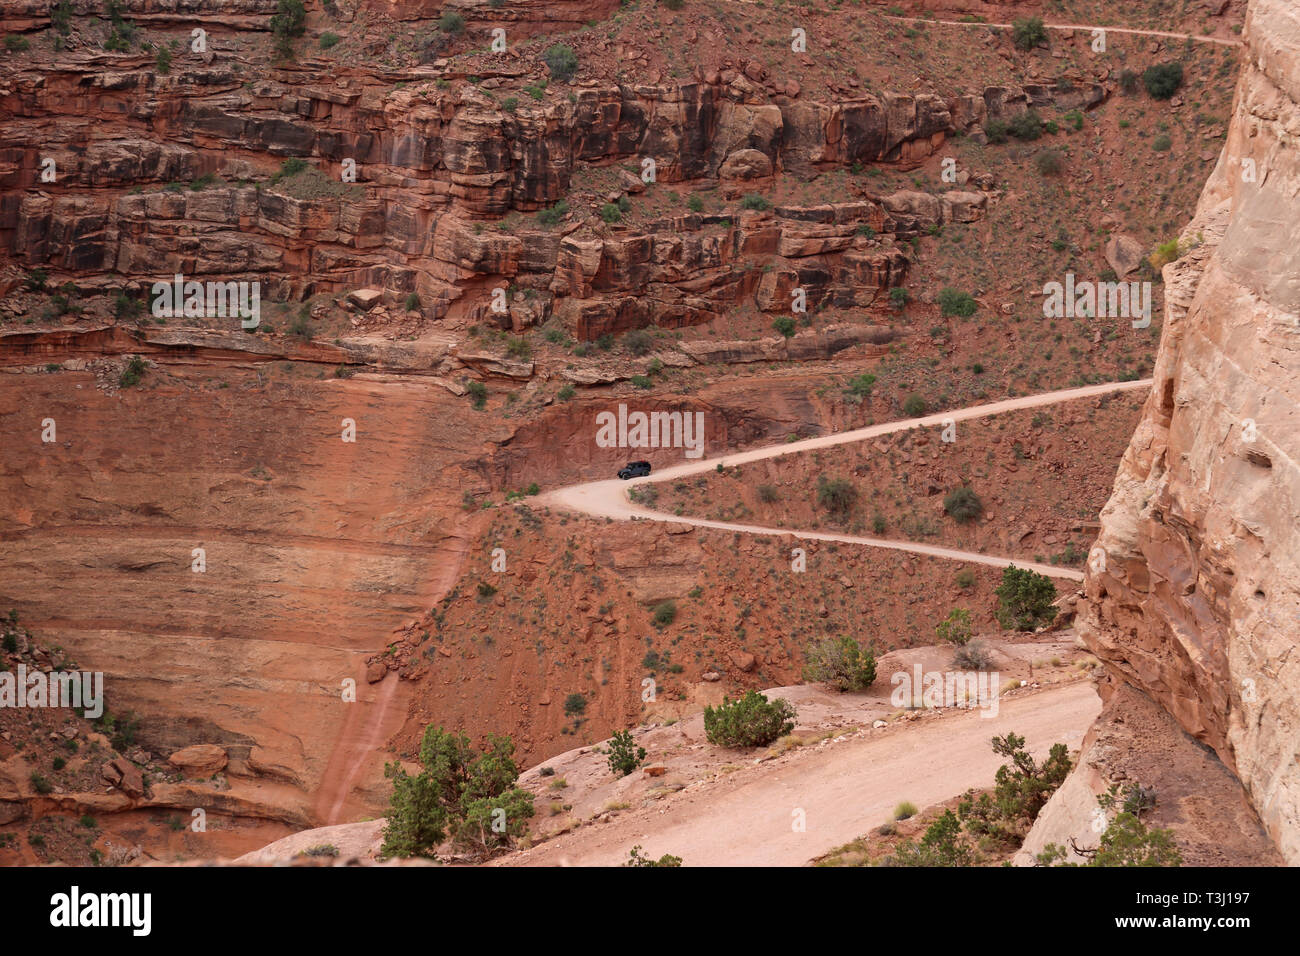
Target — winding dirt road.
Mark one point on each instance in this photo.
(608, 499)
(1135, 31)
(746, 818)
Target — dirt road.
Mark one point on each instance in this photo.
(746, 818)
(608, 499)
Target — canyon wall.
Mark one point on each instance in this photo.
(1193, 595)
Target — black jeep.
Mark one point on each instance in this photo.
(634, 469)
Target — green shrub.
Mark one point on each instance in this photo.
(1162, 143)
(695, 204)
(642, 381)
(575, 705)
(510, 104)
(565, 393)
(785, 325)
(751, 721)
(1163, 80)
(467, 796)
(941, 845)
(133, 373)
(1028, 32)
(15, 43)
(914, 406)
(965, 578)
(553, 215)
(956, 627)
(1027, 125)
(898, 297)
(40, 784)
(952, 302)
(61, 17)
(639, 342)
(861, 385)
(1128, 81)
(963, 504)
(754, 201)
(634, 857)
(611, 213)
(163, 61)
(624, 755)
(1050, 162)
(289, 22)
(328, 40)
(451, 22)
(478, 394)
(905, 810)
(1025, 599)
(840, 662)
(663, 614)
(839, 496)
(561, 61)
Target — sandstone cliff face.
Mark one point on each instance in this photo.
(1198, 602)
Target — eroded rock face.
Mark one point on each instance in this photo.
(1198, 604)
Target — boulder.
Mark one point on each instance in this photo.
(199, 760)
(1124, 254)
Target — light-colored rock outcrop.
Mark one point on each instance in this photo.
(1198, 601)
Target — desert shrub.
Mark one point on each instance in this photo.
(575, 705)
(624, 755)
(510, 104)
(861, 385)
(941, 845)
(642, 381)
(290, 167)
(639, 342)
(905, 810)
(634, 857)
(754, 201)
(288, 23)
(965, 578)
(561, 61)
(750, 721)
(1162, 143)
(163, 61)
(15, 43)
(61, 16)
(840, 662)
(956, 627)
(1128, 81)
(328, 40)
(36, 280)
(412, 302)
(553, 215)
(451, 22)
(565, 393)
(963, 504)
(133, 373)
(785, 325)
(839, 496)
(1028, 32)
(695, 204)
(458, 794)
(1025, 599)
(974, 656)
(519, 347)
(1164, 254)
(1026, 125)
(1075, 119)
(954, 302)
(477, 392)
(663, 614)
(674, 4)
(1050, 162)
(898, 297)
(40, 784)
(1163, 80)
(611, 213)
(914, 406)
(997, 130)
(768, 495)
